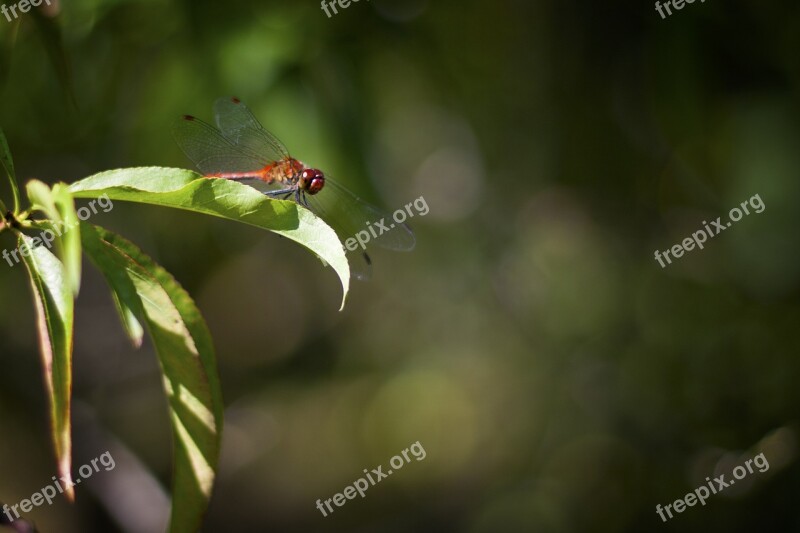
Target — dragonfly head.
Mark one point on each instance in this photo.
(312, 180)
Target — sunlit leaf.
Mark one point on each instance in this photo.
(188, 364)
(188, 190)
(41, 197)
(63, 225)
(70, 238)
(54, 318)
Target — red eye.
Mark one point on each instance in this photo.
(313, 180)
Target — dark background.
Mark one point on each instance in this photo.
(558, 378)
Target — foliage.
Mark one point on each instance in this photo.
(145, 293)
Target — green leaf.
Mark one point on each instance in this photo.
(188, 190)
(8, 166)
(59, 207)
(133, 328)
(124, 294)
(188, 364)
(41, 198)
(70, 239)
(54, 319)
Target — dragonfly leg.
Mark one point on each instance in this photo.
(300, 198)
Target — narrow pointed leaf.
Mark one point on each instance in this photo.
(5, 156)
(188, 364)
(54, 319)
(188, 190)
(7, 162)
(133, 328)
(70, 239)
(63, 224)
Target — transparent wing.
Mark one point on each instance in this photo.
(360, 261)
(210, 151)
(360, 265)
(238, 124)
(352, 217)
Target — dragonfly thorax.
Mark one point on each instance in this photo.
(311, 180)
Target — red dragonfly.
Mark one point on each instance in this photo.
(240, 149)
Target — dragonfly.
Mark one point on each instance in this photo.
(239, 148)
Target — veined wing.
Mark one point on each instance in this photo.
(350, 217)
(211, 151)
(238, 124)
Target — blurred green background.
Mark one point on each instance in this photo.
(557, 377)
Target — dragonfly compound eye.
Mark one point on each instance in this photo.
(313, 180)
